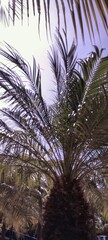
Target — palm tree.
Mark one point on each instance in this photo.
(65, 141)
(81, 11)
(22, 196)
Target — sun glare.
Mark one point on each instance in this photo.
(4, 3)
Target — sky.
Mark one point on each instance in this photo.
(25, 38)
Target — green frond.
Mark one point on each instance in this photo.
(53, 139)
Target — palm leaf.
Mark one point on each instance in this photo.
(79, 12)
(54, 139)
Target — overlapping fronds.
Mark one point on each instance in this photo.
(21, 188)
(69, 137)
(9, 10)
(18, 205)
(96, 192)
(81, 107)
(28, 114)
(81, 13)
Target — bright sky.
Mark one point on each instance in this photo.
(26, 40)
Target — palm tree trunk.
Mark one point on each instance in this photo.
(39, 228)
(94, 229)
(3, 231)
(11, 233)
(39, 231)
(67, 215)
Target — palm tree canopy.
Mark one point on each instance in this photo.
(69, 137)
(80, 11)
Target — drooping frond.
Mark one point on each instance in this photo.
(28, 113)
(10, 10)
(81, 108)
(93, 110)
(81, 13)
(69, 137)
(19, 205)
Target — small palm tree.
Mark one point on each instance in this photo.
(22, 196)
(66, 141)
(81, 11)
(96, 192)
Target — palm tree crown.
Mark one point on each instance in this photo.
(72, 133)
(67, 140)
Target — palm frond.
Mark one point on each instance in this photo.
(17, 205)
(70, 123)
(62, 62)
(81, 13)
(71, 135)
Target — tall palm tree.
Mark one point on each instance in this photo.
(67, 140)
(81, 12)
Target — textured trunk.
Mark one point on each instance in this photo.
(39, 231)
(93, 236)
(11, 233)
(39, 228)
(3, 231)
(67, 215)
